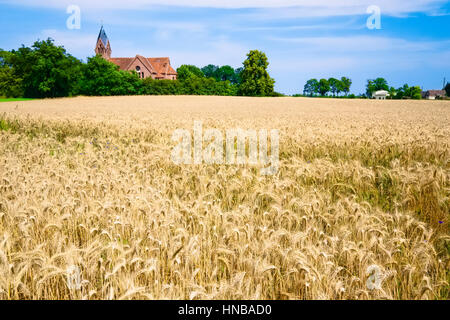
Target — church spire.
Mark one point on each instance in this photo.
(103, 46)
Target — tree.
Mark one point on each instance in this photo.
(103, 78)
(238, 76)
(415, 93)
(392, 93)
(187, 71)
(346, 84)
(210, 71)
(376, 85)
(256, 81)
(10, 83)
(407, 92)
(46, 70)
(225, 73)
(402, 92)
(324, 87)
(311, 87)
(334, 85)
(447, 89)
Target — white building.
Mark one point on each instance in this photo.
(380, 95)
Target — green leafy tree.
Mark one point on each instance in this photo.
(225, 73)
(324, 87)
(210, 71)
(415, 93)
(256, 81)
(103, 78)
(447, 89)
(334, 85)
(407, 92)
(311, 87)
(392, 93)
(46, 70)
(345, 85)
(10, 83)
(376, 85)
(187, 71)
(238, 76)
(339, 87)
(402, 92)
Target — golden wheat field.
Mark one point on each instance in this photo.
(88, 183)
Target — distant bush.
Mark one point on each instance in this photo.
(191, 86)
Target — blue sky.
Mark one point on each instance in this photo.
(302, 39)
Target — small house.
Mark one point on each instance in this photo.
(434, 94)
(380, 95)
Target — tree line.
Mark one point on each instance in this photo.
(45, 70)
(322, 87)
(405, 92)
(336, 87)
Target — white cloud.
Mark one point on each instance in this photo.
(74, 42)
(358, 44)
(304, 7)
(217, 52)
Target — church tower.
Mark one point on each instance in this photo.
(103, 46)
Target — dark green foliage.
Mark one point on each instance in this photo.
(193, 86)
(187, 71)
(376, 85)
(336, 86)
(210, 71)
(47, 71)
(334, 83)
(10, 82)
(311, 87)
(324, 87)
(345, 85)
(42, 71)
(256, 81)
(238, 76)
(406, 92)
(224, 73)
(447, 89)
(161, 87)
(103, 78)
(52, 72)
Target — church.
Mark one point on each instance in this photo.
(156, 68)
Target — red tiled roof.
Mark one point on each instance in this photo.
(160, 66)
(123, 63)
(147, 64)
(436, 92)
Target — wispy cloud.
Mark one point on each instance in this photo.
(358, 44)
(296, 7)
(75, 43)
